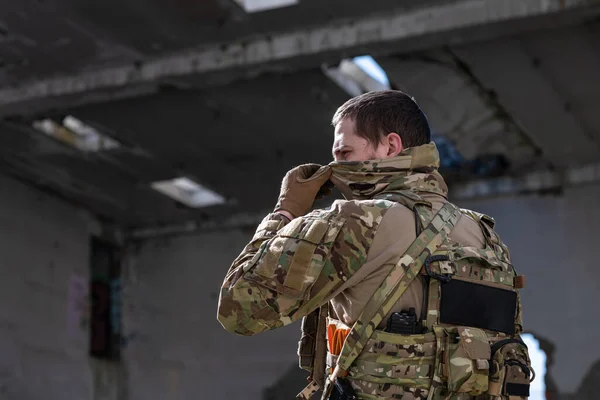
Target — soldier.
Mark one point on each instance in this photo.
(402, 294)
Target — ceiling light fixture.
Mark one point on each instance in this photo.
(188, 192)
(264, 5)
(76, 134)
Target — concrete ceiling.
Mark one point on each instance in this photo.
(518, 81)
(43, 38)
(237, 140)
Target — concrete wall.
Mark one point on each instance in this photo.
(178, 349)
(44, 263)
(173, 346)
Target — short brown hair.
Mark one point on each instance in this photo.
(375, 114)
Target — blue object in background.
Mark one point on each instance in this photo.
(454, 165)
(449, 155)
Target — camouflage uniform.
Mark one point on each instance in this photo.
(340, 256)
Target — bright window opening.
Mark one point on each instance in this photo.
(77, 134)
(359, 75)
(263, 5)
(537, 390)
(188, 192)
(372, 68)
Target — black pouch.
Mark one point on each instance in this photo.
(342, 390)
(480, 306)
(510, 369)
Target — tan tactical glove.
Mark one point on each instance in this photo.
(300, 187)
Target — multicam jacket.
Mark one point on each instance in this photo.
(290, 268)
(340, 256)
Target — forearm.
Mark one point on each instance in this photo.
(246, 308)
(243, 304)
(257, 293)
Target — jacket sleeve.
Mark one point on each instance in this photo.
(288, 270)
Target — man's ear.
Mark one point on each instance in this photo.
(394, 142)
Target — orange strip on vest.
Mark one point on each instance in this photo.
(336, 338)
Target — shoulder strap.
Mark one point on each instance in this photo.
(394, 285)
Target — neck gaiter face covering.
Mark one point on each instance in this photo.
(415, 168)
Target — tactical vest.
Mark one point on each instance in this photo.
(470, 347)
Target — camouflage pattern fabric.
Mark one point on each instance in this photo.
(416, 169)
(396, 283)
(456, 376)
(380, 373)
(390, 291)
(454, 362)
(465, 345)
(400, 346)
(288, 271)
(475, 265)
(291, 268)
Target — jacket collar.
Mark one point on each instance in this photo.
(415, 169)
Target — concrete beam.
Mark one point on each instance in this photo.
(529, 94)
(235, 221)
(400, 31)
(535, 182)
